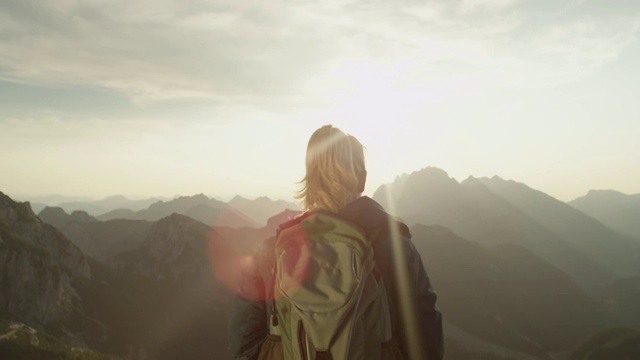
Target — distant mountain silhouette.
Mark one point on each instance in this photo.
(261, 209)
(615, 209)
(117, 214)
(616, 253)
(473, 211)
(39, 202)
(506, 295)
(209, 211)
(57, 217)
(98, 207)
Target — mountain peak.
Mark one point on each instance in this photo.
(430, 177)
(82, 216)
(237, 198)
(601, 197)
(432, 171)
(53, 210)
(605, 192)
(241, 199)
(199, 196)
(418, 187)
(12, 211)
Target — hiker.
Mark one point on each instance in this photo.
(341, 281)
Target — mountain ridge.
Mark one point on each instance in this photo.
(617, 210)
(430, 197)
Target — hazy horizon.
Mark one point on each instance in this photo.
(228, 197)
(158, 98)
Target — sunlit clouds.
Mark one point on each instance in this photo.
(221, 96)
(156, 50)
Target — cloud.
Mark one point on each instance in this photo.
(51, 127)
(157, 50)
(296, 52)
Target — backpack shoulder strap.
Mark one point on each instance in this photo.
(272, 321)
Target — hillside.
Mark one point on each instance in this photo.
(613, 208)
(168, 290)
(103, 240)
(98, 207)
(495, 294)
(618, 254)
(21, 342)
(470, 209)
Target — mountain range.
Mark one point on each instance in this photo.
(239, 212)
(494, 211)
(93, 207)
(519, 275)
(617, 210)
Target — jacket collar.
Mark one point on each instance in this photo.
(365, 212)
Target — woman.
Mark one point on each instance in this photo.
(334, 181)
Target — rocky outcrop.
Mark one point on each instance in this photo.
(37, 265)
(34, 289)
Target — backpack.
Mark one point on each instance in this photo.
(329, 301)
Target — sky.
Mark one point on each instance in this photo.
(179, 97)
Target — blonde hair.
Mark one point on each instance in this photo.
(334, 167)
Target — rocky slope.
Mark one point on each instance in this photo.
(38, 265)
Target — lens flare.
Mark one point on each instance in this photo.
(231, 257)
(408, 304)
